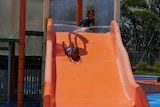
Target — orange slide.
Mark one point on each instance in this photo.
(103, 79)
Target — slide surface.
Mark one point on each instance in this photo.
(100, 80)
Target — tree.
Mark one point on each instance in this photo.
(140, 29)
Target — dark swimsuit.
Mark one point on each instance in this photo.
(76, 59)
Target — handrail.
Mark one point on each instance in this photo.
(50, 67)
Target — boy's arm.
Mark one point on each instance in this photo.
(80, 61)
(71, 60)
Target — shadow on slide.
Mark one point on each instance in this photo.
(103, 79)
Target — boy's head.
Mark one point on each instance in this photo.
(75, 53)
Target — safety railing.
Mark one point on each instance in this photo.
(50, 67)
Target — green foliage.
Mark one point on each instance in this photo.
(157, 64)
(142, 65)
(140, 30)
(145, 69)
(145, 14)
(134, 3)
(151, 72)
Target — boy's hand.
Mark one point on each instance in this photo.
(80, 61)
(72, 60)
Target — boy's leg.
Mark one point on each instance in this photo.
(72, 45)
(64, 46)
(66, 49)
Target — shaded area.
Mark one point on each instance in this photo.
(150, 86)
(28, 102)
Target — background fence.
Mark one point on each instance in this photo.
(9, 67)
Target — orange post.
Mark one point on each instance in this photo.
(79, 11)
(20, 96)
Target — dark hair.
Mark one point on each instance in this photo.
(75, 50)
(90, 12)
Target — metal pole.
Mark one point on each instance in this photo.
(9, 71)
(79, 11)
(20, 96)
(46, 15)
(117, 10)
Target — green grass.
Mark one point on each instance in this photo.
(147, 71)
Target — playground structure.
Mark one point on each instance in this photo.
(130, 93)
(103, 79)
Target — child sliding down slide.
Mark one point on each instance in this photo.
(72, 52)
